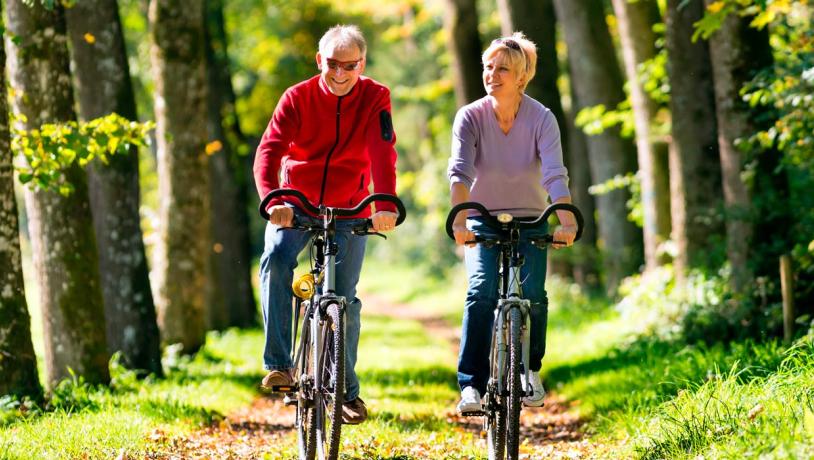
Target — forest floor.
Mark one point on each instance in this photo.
(259, 430)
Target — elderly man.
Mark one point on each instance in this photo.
(329, 136)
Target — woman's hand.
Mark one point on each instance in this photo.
(384, 221)
(564, 236)
(462, 234)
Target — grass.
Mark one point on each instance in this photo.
(641, 398)
(100, 422)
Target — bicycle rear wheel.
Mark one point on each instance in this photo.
(495, 424)
(514, 375)
(306, 416)
(330, 396)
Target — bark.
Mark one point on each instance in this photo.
(695, 171)
(62, 236)
(585, 252)
(18, 363)
(103, 83)
(536, 19)
(636, 20)
(598, 80)
(232, 302)
(738, 51)
(178, 61)
(461, 23)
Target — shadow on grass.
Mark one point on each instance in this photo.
(432, 375)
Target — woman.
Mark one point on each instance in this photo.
(506, 155)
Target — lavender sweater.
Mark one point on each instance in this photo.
(512, 172)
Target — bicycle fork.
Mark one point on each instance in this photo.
(505, 305)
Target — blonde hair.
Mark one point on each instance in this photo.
(342, 37)
(522, 58)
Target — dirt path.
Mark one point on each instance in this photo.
(553, 431)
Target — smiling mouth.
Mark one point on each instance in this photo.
(339, 82)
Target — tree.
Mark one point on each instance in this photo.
(182, 250)
(232, 303)
(104, 87)
(636, 20)
(695, 170)
(18, 364)
(62, 237)
(463, 40)
(537, 20)
(597, 80)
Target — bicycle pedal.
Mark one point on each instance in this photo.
(290, 399)
(473, 413)
(283, 388)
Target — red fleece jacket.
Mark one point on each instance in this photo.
(328, 146)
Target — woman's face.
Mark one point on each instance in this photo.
(499, 78)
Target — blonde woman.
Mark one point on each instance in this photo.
(506, 155)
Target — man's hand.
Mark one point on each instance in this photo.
(281, 215)
(462, 234)
(384, 221)
(564, 234)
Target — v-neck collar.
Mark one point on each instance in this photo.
(516, 117)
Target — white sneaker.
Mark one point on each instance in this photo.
(470, 401)
(538, 392)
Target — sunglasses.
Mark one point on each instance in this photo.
(333, 64)
(508, 42)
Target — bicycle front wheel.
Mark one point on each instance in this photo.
(330, 395)
(515, 368)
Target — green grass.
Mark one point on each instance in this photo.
(103, 422)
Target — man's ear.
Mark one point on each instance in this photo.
(319, 61)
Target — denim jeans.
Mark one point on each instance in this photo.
(482, 269)
(276, 275)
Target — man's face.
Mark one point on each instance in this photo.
(341, 69)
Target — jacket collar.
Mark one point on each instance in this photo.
(325, 92)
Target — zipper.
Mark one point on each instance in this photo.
(330, 152)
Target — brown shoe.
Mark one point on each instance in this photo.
(278, 380)
(354, 412)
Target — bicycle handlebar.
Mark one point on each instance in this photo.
(493, 222)
(308, 206)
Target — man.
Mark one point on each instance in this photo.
(329, 135)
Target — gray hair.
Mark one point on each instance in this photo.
(342, 37)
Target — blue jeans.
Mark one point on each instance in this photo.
(276, 275)
(482, 265)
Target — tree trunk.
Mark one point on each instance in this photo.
(461, 22)
(182, 250)
(695, 170)
(104, 86)
(538, 22)
(62, 236)
(585, 258)
(18, 364)
(233, 301)
(598, 80)
(738, 51)
(635, 20)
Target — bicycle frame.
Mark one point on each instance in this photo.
(319, 402)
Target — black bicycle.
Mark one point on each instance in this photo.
(509, 355)
(319, 355)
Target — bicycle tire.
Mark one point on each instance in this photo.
(513, 403)
(306, 416)
(331, 396)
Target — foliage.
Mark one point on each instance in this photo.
(629, 181)
(51, 148)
